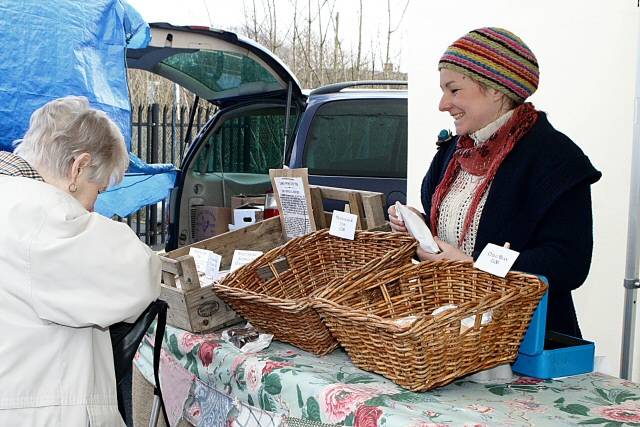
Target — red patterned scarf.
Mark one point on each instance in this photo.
(483, 160)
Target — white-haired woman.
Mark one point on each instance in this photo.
(67, 273)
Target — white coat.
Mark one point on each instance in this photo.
(65, 276)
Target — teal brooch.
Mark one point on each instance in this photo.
(443, 136)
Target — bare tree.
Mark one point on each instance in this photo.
(311, 45)
(272, 30)
(308, 51)
(255, 21)
(359, 40)
(387, 65)
(336, 44)
(320, 50)
(295, 33)
(386, 55)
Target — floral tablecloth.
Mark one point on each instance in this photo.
(211, 383)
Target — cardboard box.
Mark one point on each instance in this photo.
(210, 221)
(247, 214)
(246, 199)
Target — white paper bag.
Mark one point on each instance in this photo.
(417, 228)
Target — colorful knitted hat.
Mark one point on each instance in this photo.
(497, 58)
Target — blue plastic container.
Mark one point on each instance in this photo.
(533, 342)
(551, 354)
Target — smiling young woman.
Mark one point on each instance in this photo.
(471, 104)
(508, 176)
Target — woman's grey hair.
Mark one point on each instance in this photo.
(63, 129)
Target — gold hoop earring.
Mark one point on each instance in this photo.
(73, 187)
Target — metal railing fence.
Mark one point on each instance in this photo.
(158, 136)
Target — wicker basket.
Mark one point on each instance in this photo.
(272, 292)
(383, 319)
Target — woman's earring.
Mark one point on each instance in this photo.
(73, 187)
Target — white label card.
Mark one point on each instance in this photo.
(496, 260)
(241, 258)
(343, 225)
(213, 266)
(200, 257)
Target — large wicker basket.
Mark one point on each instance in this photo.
(384, 320)
(272, 292)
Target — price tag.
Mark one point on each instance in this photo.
(343, 225)
(496, 260)
(200, 257)
(241, 258)
(213, 266)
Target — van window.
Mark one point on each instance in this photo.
(365, 137)
(248, 143)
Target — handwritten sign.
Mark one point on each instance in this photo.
(343, 224)
(200, 257)
(207, 264)
(496, 260)
(212, 269)
(241, 258)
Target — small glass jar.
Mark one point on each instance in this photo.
(270, 205)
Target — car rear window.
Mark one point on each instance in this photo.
(217, 74)
(363, 137)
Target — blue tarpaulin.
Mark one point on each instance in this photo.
(68, 47)
(142, 185)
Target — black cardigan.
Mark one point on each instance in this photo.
(539, 202)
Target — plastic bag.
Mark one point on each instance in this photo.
(247, 339)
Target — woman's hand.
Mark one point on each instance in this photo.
(447, 251)
(394, 220)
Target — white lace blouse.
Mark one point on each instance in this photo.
(457, 201)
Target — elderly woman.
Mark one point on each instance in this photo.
(67, 273)
(508, 176)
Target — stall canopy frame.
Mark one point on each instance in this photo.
(631, 281)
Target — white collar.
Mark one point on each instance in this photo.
(485, 133)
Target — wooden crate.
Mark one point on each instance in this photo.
(196, 308)
(368, 205)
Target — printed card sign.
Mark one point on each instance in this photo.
(496, 260)
(293, 203)
(291, 189)
(343, 224)
(241, 258)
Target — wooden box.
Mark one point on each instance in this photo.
(196, 308)
(368, 205)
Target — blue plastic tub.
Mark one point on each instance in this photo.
(551, 354)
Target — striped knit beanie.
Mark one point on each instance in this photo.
(497, 58)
